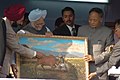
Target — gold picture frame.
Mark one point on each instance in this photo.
(68, 50)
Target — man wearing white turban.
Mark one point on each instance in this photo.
(37, 23)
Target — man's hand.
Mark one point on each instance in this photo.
(91, 75)
(48, 34)
(88, 58)
(109, 48)
(40, 55)
(14, 70)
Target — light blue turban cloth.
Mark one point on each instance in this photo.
(36, 14)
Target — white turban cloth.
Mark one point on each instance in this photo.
(36, 14)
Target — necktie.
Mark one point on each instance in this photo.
(74, 32)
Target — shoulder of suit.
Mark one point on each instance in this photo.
(118, 42)
(84, 26)
(76, 25)
(27, 26)
(61, 27)
(105, 28)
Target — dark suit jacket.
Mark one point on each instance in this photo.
(2, 41)
(64, 31)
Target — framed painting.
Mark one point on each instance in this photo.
(68, 51)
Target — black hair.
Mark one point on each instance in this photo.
(58, 21)
(117, 22)
(98, 10)
(68, 9)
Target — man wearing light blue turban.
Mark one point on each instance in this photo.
(37, 23)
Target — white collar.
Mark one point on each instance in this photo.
(70, 28)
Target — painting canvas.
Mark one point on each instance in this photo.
(68, 51)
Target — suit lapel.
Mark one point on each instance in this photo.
(67, 31)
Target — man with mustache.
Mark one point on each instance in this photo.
(69, 28)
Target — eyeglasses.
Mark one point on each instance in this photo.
(39, 24)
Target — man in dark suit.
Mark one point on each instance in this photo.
(69, 28)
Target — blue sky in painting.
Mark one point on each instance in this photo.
(50, 44)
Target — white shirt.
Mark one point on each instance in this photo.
(70, 28)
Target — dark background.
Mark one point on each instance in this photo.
(54, 7)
